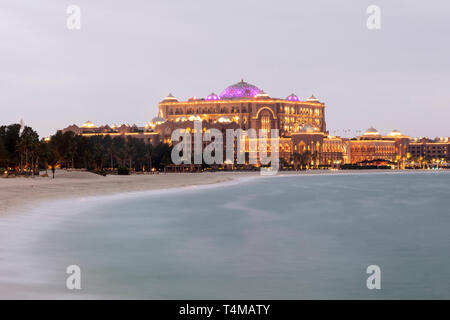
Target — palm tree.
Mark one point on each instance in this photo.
(27, 145)
(4, 156)
(109, 150)
(118, 146)
(130, 150)
(51, 157)
(150, 166)
(11, 136)
(296, 157)
(316, 157)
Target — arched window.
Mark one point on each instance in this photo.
(265, 122)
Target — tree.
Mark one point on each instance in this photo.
(315, 156)
(3, 154)
(148, 155)
(27, 146)
(302, 160)
(109, 150)
(52, 157)
(161, 155)
(10, 135)
(118, 146)
(130, 150)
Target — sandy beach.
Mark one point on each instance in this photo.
(24, 192)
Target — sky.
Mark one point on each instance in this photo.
(128, 55)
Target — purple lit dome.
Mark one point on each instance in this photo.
(293, 97)
(212, 97)
(240, 90)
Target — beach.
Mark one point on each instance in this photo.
(24, 193)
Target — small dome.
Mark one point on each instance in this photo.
(170, 98)
(395, 133)
(88, 124)
(262, 95)
(212, 97)
(371, 132)
(312, 99)
(293, 97)
(240, 90)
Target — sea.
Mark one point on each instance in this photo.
(308, 236)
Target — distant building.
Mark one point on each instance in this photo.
(427, 149)
(88, 129)
(372, 146)
(301, 124)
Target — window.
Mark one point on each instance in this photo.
(265, 123)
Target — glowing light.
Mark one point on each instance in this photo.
(195, 118)
(312, 99)
(224, 120)
(88, 124)
(170, 97)
(212, 97)
(240, 90)
(262, 94)
(371, 132)
(395, 133)
(293, 97)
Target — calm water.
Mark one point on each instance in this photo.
(268, 238)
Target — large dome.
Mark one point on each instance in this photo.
(240, 90)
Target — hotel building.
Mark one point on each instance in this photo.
(424, 148)
(301, 124)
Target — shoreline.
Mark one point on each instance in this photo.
(41, 216)
(21, 194)
(25, 193)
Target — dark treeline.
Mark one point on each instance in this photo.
(22, 151)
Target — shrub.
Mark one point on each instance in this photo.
(100, 172)
(123, 171)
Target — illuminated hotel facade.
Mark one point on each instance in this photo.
(301, 124)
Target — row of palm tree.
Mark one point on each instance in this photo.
(22, 151)
(305, 160)
(20, 148)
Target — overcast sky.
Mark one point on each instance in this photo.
(129, 55)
